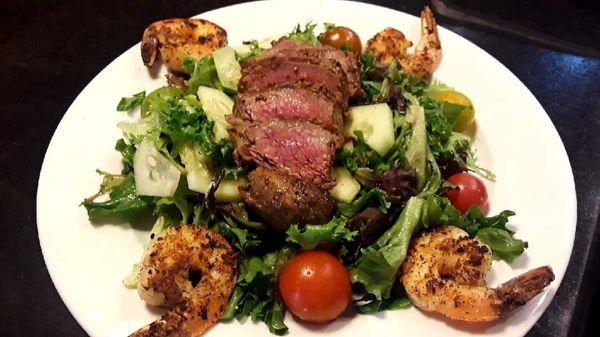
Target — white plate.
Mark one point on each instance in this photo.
(515, 138)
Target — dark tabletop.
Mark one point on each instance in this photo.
(50, 50)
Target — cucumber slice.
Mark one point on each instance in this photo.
(376, 123)
(197, 165)
(228, 68)
(346, 187)
(154, 174)
(217, 105)
(228, 190)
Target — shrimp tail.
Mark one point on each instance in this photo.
(428, 52)
(429, 29)
(171, 322)
(524, 287)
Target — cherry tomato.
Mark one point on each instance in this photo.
(467, 116)
(315, 286)
(342, 37)
(471, 191)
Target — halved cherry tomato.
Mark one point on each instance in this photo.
(315, 286)
(470, 191)
(342, 38)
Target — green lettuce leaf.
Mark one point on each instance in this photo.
(123, 202)
(312, 236)
(130, 103)
(376, 270)
(491, 230)
(306, 35)
(202, 72)
(502, 242)
(377, 194)
(255, 295)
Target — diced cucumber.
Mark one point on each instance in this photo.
(154, 174)
(346, 187)
(376, 123)
(197, 165)
(228, 68)
(217, 105)
(416, 152)
(228, 190)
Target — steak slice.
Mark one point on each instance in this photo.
(298, 148)
(348, 61)
(259, 74)
(283, 200)
(293, 104)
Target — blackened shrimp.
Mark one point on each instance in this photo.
(193, 271)
(445, 271)
(175, 39)
(391, 44)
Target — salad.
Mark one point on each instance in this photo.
(403, 170)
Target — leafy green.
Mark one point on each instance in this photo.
(123, 202)
(306, 35)
(202, 72)
(418, 147)
(155, 100)
(175, 209)
(492, 230)
(502, 242)
(240, 238)
(130, 103)
(255, 50)
(312, 236)
(368, 304)
(376, 269)
(127, 151)
(255, 294)
(377, 194)
(361, 155)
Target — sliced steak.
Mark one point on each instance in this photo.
(263, 73)
(293, 104)
(283, 200)
(298, 148)
(348, 61)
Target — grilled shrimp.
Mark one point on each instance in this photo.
(174, 39)
(192, 270)
(388, 45)
(391, 44)
(445, 271)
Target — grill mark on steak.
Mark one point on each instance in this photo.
(298, 148)
(260, 74)
(289, 103)
(283, 200)
(347, 60)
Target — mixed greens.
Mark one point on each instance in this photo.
(397, 162)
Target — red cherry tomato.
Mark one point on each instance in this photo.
(342, 36)
(470, 191)
(315, 286)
